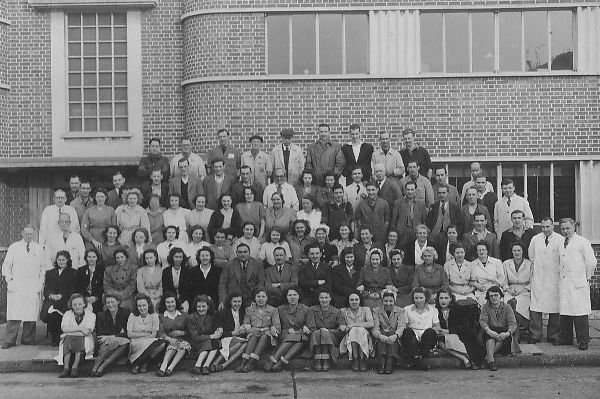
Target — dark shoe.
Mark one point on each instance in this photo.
(218, 367)
(583, 346)
(7, 345)
(492, 366)
(75, 373)
(382, 364)
(65, 373)
(240, 368)
(475, 366)
(277, 367)
(205, 371)
(249, 366)
(355, 367)
(389, 365)
(196, 370)
(326, 365)
(168, 372)
(135, 369)
(317, 366)
(362, 363)
(212, 368)
(268, 366)
(144, 368)
(160, 373)
(468, 366)
(561, 343)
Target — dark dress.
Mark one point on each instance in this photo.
(308, 281)
(343, 284)
(226, 322)
(295, 320)
(330, 319)
(402, 279)
(208, 285)
(199, 329)
(463, 320)
(95, 287)
(187, 289)
(216, 222)
(64, 284)
(105, 325)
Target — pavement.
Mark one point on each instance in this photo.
(40, 358)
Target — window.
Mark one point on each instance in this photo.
(323, 43)
(97, 72)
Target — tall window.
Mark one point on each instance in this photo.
(97, 72)
(318, 43)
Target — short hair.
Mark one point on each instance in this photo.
(220, 202)
(484, 243)
(372, 184)
(413, 160)
(154, 139)
(175, 195)
(143, 297)
(94, 250)
(355, 167)
(517, 244)
(276, 230)
(364, 227)
(420, 290)
(248, 223)
(451, 226)
(120, 251)
(74, 296)
(296, 289)
(480, 175)
(197, 227)
(182, 160)
(67, 255)
(547, 219)
(174, 251)
(140, 230)
(229, 298)
(493, 288)
(455, 246)
(219, 230)
(517, 211)
(309, 197)
(202, 298)
(410, 183)
(443, 185)
(506, 181)
(112, 294)
(329, 173)
(99, 190)
(376, 251)
(479, 213)
(241, 245)
(345, 251)
(117, 173)
(278, 248)
(324, 125)
(361, 301)
(430, 250)
(442, 168)
(312, 246)
(218, 159)
(162, 306)
(149, 251)
(471, 188)
(171, 227)
(198, 196)
(246, 167)
(422, 227)
(444, 290)
(258, 290)
(301, 221)
(355, 126)
(223, 130)
(387, 293)
(206, 249)
(337, 186)
(567, 220)
(280, 196)
(395, 252)
(408, 130)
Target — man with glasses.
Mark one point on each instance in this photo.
(386, 155)
(197, 165)
(290, 198)
(258, 161)
(49, 221)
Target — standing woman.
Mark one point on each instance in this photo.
(402, 277)
(249, 238)
(77, 326)
(173, 329)
(224, 252)
(430, 275)
(96, 219)
(90, 279)
(131, 216)
(111, 244)
(111, 330)
(175, 216)
(171, 241)
(357, 340)
(498, 322)
(208, 275)
(485, 272)
(252, 211)
(389, 322)
(225, 218)
(294, 332)
(139, 243)
(204, 333)
(374, 279)
(263, 322)
(344, 278)
(346, 240)
(59, 284)
(458, 271)
(420, 336)
(326, 325)
(279, 216)
(305, 185)
(197, 241)
(298, 239)
(518, 273)
(149, 277)
(155, 218)
(233, 341)
(121, 278)
(142, 330)
(309, 213)
(200, 215)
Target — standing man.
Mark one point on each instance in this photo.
(197, 165)
(66, 240)
(153, 160)
(49, 221)
(227, 153)
(412, 151)
(337, 212)
(357, 152)
(75, 185)
(475, 171)
(290, 198)
(385, 154)
(356, 191)
(480, 233)
(23, 269)
(83, 201)
(424, 190)
(188, 186)
(324, 155)
(388, 189)
(246, 180)
(485, 196)
(471, 207)
(373, 212)
(517, 233)
(441, 176)
(289, 157)
(408, 213)
(442, 214)
(544, 251)
(259, 161)
(217, 184)
(156, 186)
(507, 204)
(114, 196)
(577, 264)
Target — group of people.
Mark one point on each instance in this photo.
(361, 256)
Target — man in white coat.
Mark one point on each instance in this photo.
(49, 221)
(23, 268)
(65, 240)
(544, 252)
(289, 157)
(577, 264)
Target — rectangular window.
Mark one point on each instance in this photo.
(97, 72)
(561, 44)
(432, 39)
(482, 24)
(304, 46)
(535, 24)
(357, 43)
(510, 41)
(330, 44)
(278, 34)
(457, 42)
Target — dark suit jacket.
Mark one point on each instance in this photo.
(226, 322)
(65, 285)
(440, 246)
(409, 251)
(106, 326)
(342, 284)
(489, 200)
(187, 283)
(508, 237)
(308, 279)
(83, 277)
(402, 222)
(231, 274)
(147, 193)
(456, 216)
(390, 191)
(360, 254)
(364, 161)
(194, 188)
(216, 221)
(470, 241)
(210, 190)
(470, 218)
(209, 285)
(113, 198)
(237, 192)
(288, 278)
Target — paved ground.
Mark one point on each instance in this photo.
(528, 383)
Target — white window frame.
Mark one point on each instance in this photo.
(71, 144)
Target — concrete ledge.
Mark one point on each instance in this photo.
(91, 4)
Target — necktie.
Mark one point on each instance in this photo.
(223, 148)
(546, 240)
(315, 266)
(443, 209)
(280, 269)
(243, 266)
(357, 189)
(566, 242)
(279, 188)
(508, 202)
(27, 248)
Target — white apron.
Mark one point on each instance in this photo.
(544, 280)
(577, 264)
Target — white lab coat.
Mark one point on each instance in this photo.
(577, 264)
(546, 272)
(24, 272)
(49, 222)
(74, 246)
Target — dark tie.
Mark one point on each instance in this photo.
(27, 248)
(566, 241)
(357, 189)
(443, 209)
(280, 269)
(224, 148)
(508, 202)
(315, 266)
(546, 240)
(243, 266)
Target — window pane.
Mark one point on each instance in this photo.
(89, 49)
(120, 19)
(279, 43)
(121, 109)
(74, 109)
(89, 64)
(564, 191)
(105, 79)
(74, 19)
(90, 110)
(89, 94)
(74, 95)
(457, 42)
(106, 125)
(536, 40)
(104, 49)
(121, 34)
(330, 43)
(74, 34)
(106, 109)
(431, 42)
(75, 125)
(105, 95)
(483, 41)
(304, 44)
(74, 49)
(121, 124)
(121, 94)
(104, 19)
(538, 190)
(105, 64)
(120, 48)
(89, 79)
(104, 34)
(90, 125)
(510, 41)
(120, 64)
(357, 43)
(74, 79)
(121, 79)
(89, 19)
(74, 64)
(89, 34)
(562, 39)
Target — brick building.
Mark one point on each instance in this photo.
(514, 84)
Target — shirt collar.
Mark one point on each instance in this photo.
(167, 314)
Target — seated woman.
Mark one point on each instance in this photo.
(402, 277)
(309, 213)
(173, 330)
(90, 279)
(142, 330)
(389, 322)
(263, 322)
(392, 243)
(225, 218)
(329, 253)
(121, 278)
(420, 336)
(249, 238)
(172, 240)
(203, 333)
(298, 238)
(77, 340)
(374, 279)
(253, 211)
(111, 244)
(325, 323)
(357, 340)
(458, 271)
(233, 341)
(486, 272)
(111, 330)
(149, 277)
(498, 322)
(344, 278)
(197, 237)
(346, 240)
(139, 243)
(223, 251)
(430, 275)
(266, 250)
(294, 332)
(518, 273)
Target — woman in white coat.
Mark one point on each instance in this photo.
(577, 264)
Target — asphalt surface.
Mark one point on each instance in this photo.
(548, 382)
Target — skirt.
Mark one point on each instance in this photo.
(73, 344)
(323, 336)
(361, 336)
(180, 345)
(111, 345)
(227, 343)
(452, 342)
(523, 301)
(294, 337)
(385, 349)
(138, 346)
(88, 347)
